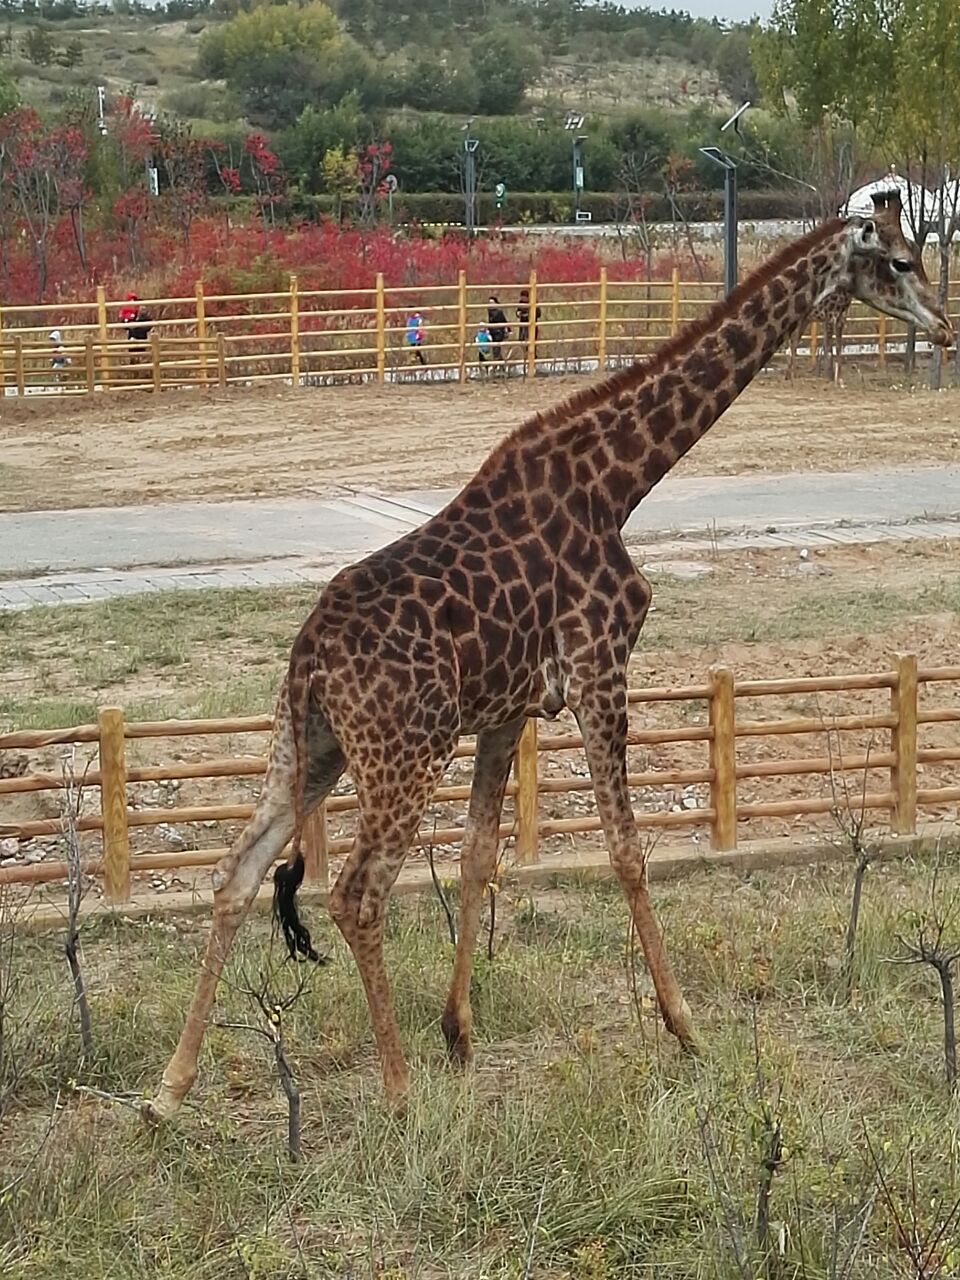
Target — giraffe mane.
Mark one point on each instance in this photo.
(631, 377)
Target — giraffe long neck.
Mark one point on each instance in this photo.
(648, 427)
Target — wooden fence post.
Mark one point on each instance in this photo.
(316, 868)
(221, 360)
(462, 322)
(155, 360)
(526, 771)
(3, 358)
(113, 805)
(89, 364)
(675, 300)
(531, 367)
(813, 344)
(882, 340)
(202, 332)
(381, 330)
(903, 744)
(19, 372)
(602, 323)
(723, 760)
(102, 334)
(295, 330)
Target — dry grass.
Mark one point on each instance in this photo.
(577, 1142)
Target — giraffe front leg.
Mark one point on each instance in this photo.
(601, 713)
(478, 860)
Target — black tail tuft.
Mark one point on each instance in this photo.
(286, 882)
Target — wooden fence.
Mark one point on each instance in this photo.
(893, 779)
(307, 337)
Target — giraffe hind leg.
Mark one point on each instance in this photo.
(390, 813)
(478, 862)
(236, 880)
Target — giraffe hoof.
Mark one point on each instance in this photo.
(151, 1115)
(459, 1048)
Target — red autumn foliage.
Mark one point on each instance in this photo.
(57, 242)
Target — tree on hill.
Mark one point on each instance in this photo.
(280, 58)
(506, 63)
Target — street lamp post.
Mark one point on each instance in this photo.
(470, 145)
(730, 218)
(578, 142)
(729, 214)
(573, 122)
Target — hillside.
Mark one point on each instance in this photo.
(55, 60)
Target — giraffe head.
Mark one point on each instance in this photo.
(886, 271)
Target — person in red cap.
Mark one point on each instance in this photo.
(138, 324)
(128, 313)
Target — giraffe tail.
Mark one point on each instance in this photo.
(289, 876)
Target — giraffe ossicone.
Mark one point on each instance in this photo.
(515, 600)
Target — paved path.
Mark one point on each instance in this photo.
(60, 556)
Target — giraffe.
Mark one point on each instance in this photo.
(831, 313)
(518, 599)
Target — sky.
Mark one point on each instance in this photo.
(726, 10)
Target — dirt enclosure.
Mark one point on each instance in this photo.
(132, 447)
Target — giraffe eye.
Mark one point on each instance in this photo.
(901, 265)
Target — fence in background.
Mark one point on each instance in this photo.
(308, 337)
(890, 780)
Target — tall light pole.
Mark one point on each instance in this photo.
(470, 177)
(101, 104)
(573, 122)
(730, 218)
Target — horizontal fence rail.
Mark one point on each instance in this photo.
(336, 337)
(887, 776)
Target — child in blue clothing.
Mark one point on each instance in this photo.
(414, 336)
(484, 342)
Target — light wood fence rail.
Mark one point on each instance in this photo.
(335, 337)
(899, 761)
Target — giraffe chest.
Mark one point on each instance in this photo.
(505, 673)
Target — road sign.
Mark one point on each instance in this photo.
(500, 191)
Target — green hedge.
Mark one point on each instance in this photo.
(557, 207)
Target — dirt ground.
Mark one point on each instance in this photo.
(132, 448)
(765, 614)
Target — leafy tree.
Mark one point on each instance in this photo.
(9, 93)
(71, 55)
(41, 176)
(279, 58)
(440, 83)
(340, 174)
(829, 63)
(302, 147)
(39, 45)
(506, 63)
(182, 161)
(924, 121)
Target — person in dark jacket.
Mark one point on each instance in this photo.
(497, 327)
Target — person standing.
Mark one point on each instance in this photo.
(414, 336)
(59, 361)
(484, 346)
(497, 325)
